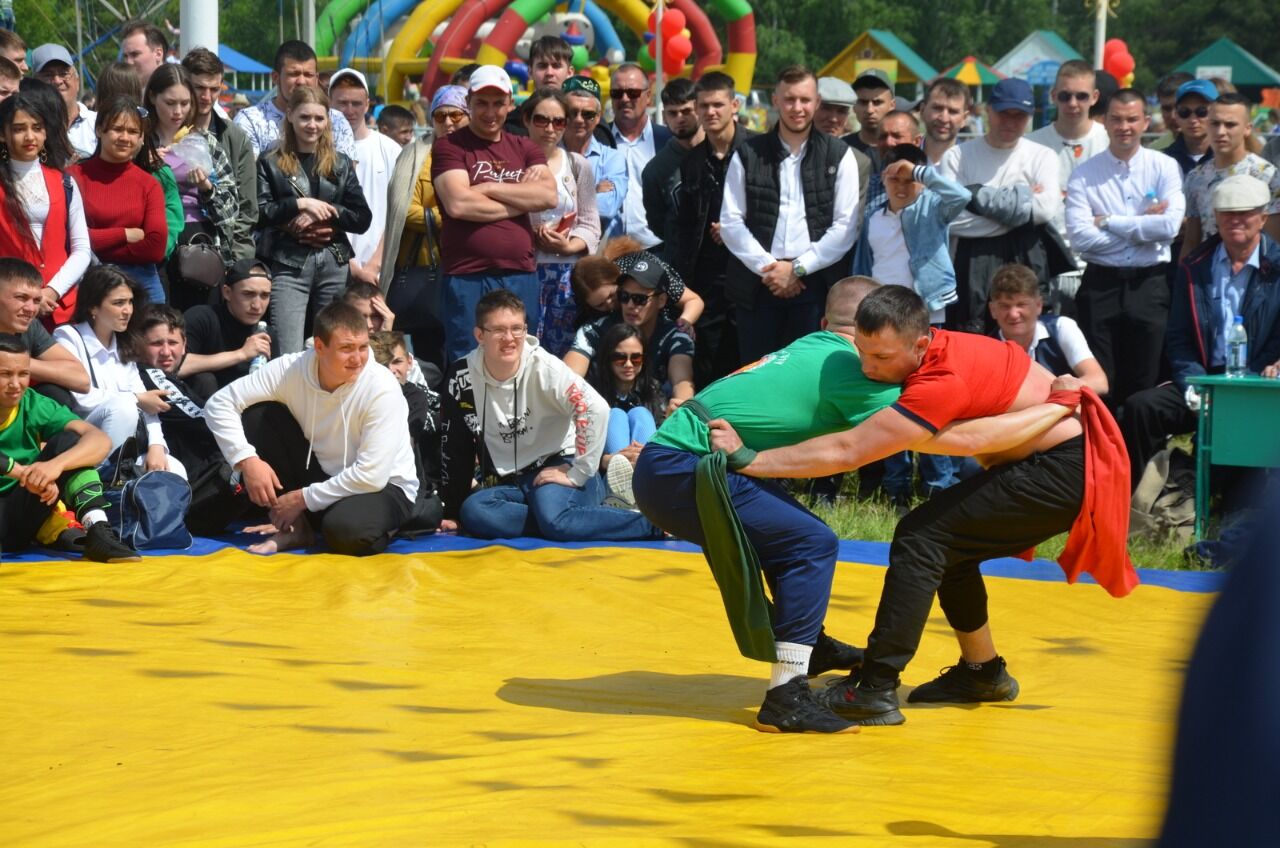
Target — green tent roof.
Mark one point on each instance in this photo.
(904, 54)
(1246, 69)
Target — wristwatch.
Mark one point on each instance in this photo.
(1102, 224)
(798, 269)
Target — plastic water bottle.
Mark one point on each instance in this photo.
(1150, 199)
(259, 360)
(1237, 348)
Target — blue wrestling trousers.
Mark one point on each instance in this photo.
(797, 550)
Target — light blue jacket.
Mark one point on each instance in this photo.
(925, 227)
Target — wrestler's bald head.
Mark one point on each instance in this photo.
(843, 300)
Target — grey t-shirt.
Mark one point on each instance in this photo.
(36, 338)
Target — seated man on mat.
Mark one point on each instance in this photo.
(47, 453)
(1073, 476)
(329, 428)
(814, 386)
(537, 430)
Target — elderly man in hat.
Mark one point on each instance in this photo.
(1231, 276)
(52, 63)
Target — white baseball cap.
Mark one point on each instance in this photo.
(348, 72)
(489, 76)
(1240, 193)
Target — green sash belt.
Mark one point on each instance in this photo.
(733, 560)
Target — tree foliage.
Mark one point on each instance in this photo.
(1160, 33)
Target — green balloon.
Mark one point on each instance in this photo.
(581, 58)
(645, 60)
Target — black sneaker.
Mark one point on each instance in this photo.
(791, 708)
(101, 544)
(959, 684)
(850, 698)
(832, 654)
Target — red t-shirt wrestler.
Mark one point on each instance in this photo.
(1053, 476)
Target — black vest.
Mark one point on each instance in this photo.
(1049, 351)
(762, 157)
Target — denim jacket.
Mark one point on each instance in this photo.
(925, 227)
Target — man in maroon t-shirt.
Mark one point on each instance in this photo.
(487, 181)
(1032, 490)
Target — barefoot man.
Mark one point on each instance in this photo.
(1074, 476)
(321, 439)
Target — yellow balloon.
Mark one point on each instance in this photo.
(1127, 82)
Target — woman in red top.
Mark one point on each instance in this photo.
(41, 216)
(123, 204)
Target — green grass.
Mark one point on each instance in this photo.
(874, 520)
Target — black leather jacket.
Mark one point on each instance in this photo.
(278, 195)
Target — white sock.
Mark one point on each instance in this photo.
(93, 516)
(793, 662)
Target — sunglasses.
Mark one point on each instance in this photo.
(1185, 112)
(1081, 96)
(543, 121)
(619, 358)
(587, 115)
(629, 93)
(638, 299)
(448, 117)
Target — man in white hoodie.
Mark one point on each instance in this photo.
(537, 430)
(322, 435)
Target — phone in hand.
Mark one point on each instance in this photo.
(567, 222)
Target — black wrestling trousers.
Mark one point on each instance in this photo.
(938, 547)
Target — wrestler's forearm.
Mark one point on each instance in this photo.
(995, 434)
(883, 434)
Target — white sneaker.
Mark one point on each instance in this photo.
(618, 475)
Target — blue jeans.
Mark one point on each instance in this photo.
(149, 278)
(459, 295)
(797, 550)
(936, 472)
(635, 425)
(299, 293)
(551, 511)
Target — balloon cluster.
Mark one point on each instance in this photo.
(1117, 61)
(677, 44)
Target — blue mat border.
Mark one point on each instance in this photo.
(870, 553)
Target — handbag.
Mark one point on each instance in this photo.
(414, 293)
(200, 263)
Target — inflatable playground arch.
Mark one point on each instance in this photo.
(413, 52)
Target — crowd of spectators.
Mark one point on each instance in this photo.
(199, 294)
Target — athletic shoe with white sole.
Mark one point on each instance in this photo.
(618, 474)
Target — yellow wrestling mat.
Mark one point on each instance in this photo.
(550, 696)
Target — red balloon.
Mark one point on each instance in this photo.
(671, 66)
(673, 22)
(677, 46)
(653, 21)
(1119, 64)
(653, 47)
(1113, 45)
